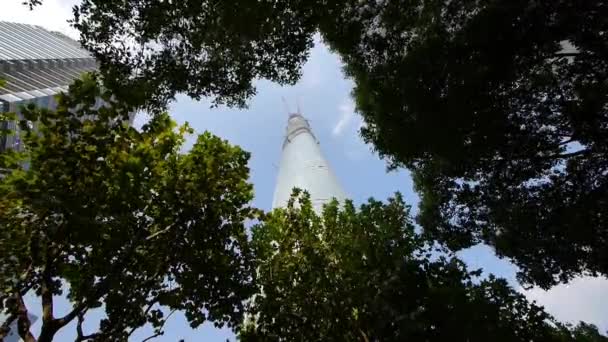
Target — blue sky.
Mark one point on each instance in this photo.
(323, 95)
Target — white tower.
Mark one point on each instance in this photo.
(303, 166)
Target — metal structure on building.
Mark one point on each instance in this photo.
(35, 65)
(303, 166)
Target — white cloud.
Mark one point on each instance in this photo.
(51, 15)
(583, 299)
(347, 130)
(347, 115)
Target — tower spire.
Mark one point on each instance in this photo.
(286, 105)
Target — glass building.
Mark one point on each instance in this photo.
(35, 65)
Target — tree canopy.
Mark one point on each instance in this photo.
(120, 220)
(365, 275)
(201, 48)
(500, 109)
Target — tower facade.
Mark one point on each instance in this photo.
(303, 166)
(35, 65)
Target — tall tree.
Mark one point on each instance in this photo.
(198, 47)
(365, 275)
(119, 219)
(500, 108)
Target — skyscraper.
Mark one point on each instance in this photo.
(35, 65)
(303, 166)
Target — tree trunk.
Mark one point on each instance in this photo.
(23, 322)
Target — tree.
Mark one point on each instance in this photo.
(119, 219)
(500, 109)
(365, 275)
(583, 332)
(201, 48)
(32, 3)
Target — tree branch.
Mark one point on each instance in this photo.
(79, 334)
(102, 287)
(5, 328)
(49, 324)
(160, 232)
(80, 308)
(550, 157)
(565, 142)
(365, 338)
(159, 330)
(20, 291)
(26, 284)
(23, 323)
(88, 337)
(98, 291)
(568, 155)
(150, 305)
(152, 337)
(566, 54)
(46, 296)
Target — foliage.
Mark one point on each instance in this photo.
(201, 48)
(32, 3)
(500, 108)
(365, 275)
(119, 219)
(583, 332)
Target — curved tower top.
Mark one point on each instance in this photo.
(303, 166)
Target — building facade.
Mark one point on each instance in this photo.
(303, 166)
(35, 65)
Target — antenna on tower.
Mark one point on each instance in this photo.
(298, 104)
(286, 105)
